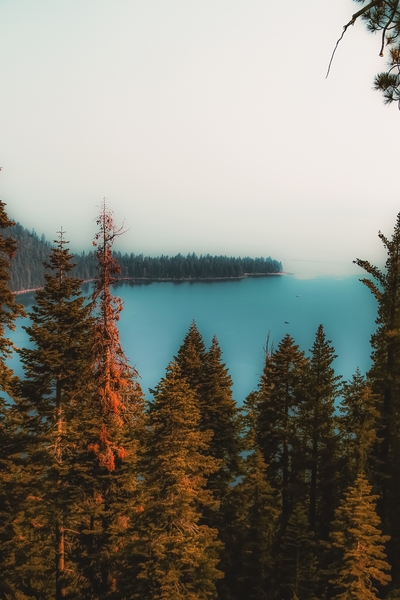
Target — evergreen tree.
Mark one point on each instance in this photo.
(362, 563)
(191, 358)
(56, 371)
(112, 434)
(9, 311)
(280, 394)
(358, 422)
(179, 555)
(220, 415)
(115, 379)
(209, 379)
(250, 532)
(298, 564)
(319, 435)
(385, 381)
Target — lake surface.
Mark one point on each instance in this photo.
(156, 318)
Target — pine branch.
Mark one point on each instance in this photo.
(354, 18)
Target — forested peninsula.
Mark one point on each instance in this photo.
(28, 271)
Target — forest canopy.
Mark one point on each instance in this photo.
(107, 496)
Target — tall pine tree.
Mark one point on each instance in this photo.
(9, 311)
(317, 422)
(298, 563)
(385, 381)
(179, 554)
(280, 394)
(361, 564)
(115, 379)
(56, 368)
(112, 433)
(250, 535)
(191, 358)
(220, 415)
(358, 424)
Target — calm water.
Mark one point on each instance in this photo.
(156, 318)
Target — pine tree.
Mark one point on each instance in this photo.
(358, 421)
(298, 562)
(280, 394)
(385, 382)
(362, 563)
(115, 379)
(9, 311)
(211, 383)
(318, 429)
(191, 358)
(179, 555)
(382, 16)
(250, 532)
(220, 415)
(209, 379)
(112, 434)
(56, 371)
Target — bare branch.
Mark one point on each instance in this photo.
(345, 28)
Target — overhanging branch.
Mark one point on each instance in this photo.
(354, 18)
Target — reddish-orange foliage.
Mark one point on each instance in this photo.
(115, 385)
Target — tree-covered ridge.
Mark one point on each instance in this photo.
(28, 271)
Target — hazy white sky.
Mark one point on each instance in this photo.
(208, 124)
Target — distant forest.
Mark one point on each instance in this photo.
(27, 270)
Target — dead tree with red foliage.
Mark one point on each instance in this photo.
(112, 421)
(115, 379)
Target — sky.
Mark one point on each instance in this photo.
(208, 125)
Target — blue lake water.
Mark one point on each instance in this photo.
(156, 318)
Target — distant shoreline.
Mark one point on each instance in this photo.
(148, 280)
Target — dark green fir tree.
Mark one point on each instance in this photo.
(9, 425)
(358, 424)
(280, 394)
(317, 423)
(298, 563)
(385, 382)
(191, 357)
(209, 379)
(52, 396)
(220, 414)
(361, 566)
(250, 535)
(179, 554)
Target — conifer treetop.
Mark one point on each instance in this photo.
(115, 383)
(357, 535)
